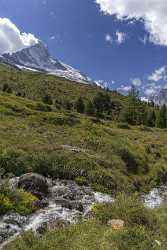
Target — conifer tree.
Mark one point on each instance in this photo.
(161, 121)
(79, 105)
(133, 109)
(90, 108)
(151, 118)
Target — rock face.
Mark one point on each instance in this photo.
(37, 58)
(35, 184)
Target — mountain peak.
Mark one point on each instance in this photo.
(37, 57)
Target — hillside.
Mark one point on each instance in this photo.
(61, 143)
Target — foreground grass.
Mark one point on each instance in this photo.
(141, 231)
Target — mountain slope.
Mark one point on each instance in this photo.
(38, 58)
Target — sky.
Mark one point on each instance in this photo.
(117, 42)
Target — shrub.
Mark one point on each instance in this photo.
(134, 162)
(16, 200)
(129, 209)
(123, 125)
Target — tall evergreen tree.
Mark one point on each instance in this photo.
(90, 108)
(151, 118)
(79, 105)
(102, 104)
(161, 121)
(133, 110)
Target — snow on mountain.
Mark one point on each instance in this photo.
(38, 58)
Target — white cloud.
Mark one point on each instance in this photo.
(151, 12)
(136, 82)
(151, 89)
(124, 88)
(157, 75)
(11, 39)
(120, 37)
(109, 38)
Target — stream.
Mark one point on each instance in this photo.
(67, 203)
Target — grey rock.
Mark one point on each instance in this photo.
(35, 184)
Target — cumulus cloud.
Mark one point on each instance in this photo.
(12, 39)
(157, 75)
(151, 89)
(124, 88)
(120, 37)
(151, 12)
(136, 82)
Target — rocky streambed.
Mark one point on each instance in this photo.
(62, 202)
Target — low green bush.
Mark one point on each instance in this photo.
(16, 201)
(123, 125)
(129, 209)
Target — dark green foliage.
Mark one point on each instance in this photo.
(123, 125)
(151, 118)
(47, 99)
(90, 109)
(161, 121)
(6, 88)
(102, 104)
(134, 111)
(80, 106)
(135, 163)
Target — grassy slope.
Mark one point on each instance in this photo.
(69, 145)
(36, 85)
(33, 140)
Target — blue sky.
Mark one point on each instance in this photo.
(94, 37)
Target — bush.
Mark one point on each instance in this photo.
(134, 162)
(129, 209)
(123, 125)
(16, 200)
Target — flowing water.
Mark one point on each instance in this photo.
(68, 203)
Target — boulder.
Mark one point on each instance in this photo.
(116, 224)
(51, 225)
(35, 184)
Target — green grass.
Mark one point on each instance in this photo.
(36, 85)
(110, 158)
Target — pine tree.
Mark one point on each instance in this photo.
(133, 111)
(151, 118)
(90, 110)
(161, 121)
(79, 105)
(102, 104)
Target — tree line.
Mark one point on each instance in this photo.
(133, 112)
